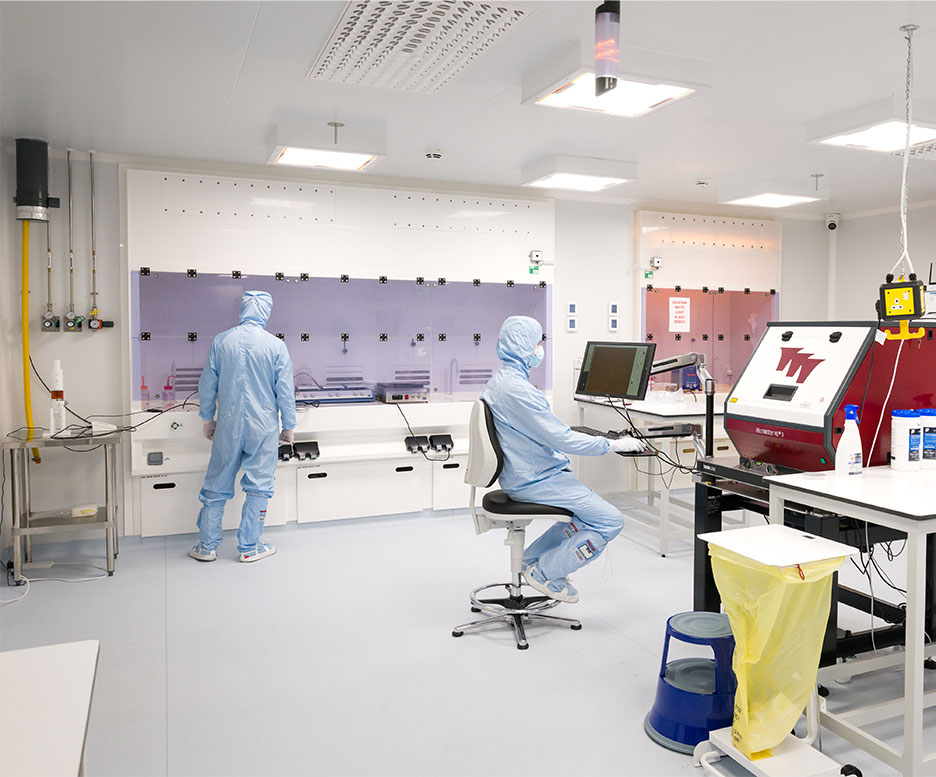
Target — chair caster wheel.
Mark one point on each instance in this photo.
(475, 609)
(110, 574)
(523, 647)
(929, 663)
(576, 627)
(853, 771)
(823, 691)
(457, 633)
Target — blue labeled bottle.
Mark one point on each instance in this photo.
(848, 453)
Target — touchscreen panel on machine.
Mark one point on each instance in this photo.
(619, 370)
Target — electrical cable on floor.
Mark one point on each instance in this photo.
(18, 598)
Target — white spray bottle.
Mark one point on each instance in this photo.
(848, 452)
(57, 390)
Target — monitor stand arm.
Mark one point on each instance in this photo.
(697, 360)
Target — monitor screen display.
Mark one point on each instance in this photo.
(619, 370)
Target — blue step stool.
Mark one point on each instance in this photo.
(694, 695)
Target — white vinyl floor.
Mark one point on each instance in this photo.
(335, 657)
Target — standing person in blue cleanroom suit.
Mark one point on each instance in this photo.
(250, 374)
(535, 469)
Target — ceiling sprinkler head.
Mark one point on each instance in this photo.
(433, 153)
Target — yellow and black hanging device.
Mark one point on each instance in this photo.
(902, 300)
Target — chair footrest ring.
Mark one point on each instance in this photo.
(510, 604)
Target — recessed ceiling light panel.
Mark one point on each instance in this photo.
(409, 46)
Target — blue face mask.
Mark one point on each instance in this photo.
(538, 355)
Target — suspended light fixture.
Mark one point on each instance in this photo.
(775, 193)
(876, 126)
(607, 45)
(315, 147)
(581, 174)
(644, 81)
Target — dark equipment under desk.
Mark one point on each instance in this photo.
(724, 485)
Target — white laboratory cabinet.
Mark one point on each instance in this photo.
(363, 469)
(359, 489)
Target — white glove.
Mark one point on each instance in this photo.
(208, 429)
(627, 445)
(287, 437)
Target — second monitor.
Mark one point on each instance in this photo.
(617, 370)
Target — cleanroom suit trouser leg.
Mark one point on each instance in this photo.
(565, 547)
(259, 466)
(258, 461)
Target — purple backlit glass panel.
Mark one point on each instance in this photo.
(169, 306)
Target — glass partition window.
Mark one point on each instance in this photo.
(724, 325)
(339, 332)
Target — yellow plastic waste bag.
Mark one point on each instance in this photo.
(778, 617)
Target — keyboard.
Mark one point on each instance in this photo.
(612, 435)
(644, 433)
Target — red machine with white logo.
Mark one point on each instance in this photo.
(786, 410)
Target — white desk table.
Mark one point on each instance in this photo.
(47, 700)
(659, 501)
(902, 501)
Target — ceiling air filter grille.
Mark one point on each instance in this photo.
(412, 46)
(921, 151)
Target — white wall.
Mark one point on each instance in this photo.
(804, 263)
(594, 255)
(868, 248)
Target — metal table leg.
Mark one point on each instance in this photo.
(27, 509)
(113, 491)
(109, 529)
(19, 503)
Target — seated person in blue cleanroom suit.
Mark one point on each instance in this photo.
(535, 469)
(250, 374)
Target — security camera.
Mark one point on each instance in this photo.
(832, 220)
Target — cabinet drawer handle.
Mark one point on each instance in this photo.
(317, 475)
(160, 486)
(721, 448)
(404, 469)
(453, 465)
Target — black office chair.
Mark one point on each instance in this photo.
(485, 462)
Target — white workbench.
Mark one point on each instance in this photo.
(665, 524)
(46, 703)
(902, 501)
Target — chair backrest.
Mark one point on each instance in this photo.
(485, 456)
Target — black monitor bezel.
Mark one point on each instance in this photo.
(644, 378)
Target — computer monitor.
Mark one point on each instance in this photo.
(618, 370)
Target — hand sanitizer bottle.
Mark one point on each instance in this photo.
(848, 453)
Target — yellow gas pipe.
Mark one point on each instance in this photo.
(27, 394)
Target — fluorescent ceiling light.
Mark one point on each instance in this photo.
(628, 98)
(774, 193)
(581, 174)
(876, 126)
(770, 200)
(647, 81)
(886, 136)
(329, 159)
(576, 182)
